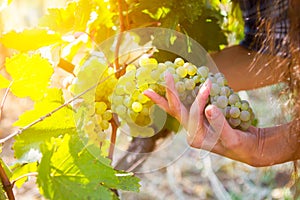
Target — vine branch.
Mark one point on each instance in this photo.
(113, 137)
(119, 38)
(7, 185)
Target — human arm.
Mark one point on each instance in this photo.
(245, 69)
(208, 129)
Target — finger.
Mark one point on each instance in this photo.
(217, 121)
(175, 105)
(195, 124)
(159, 100)
(171, 92)
(197, 108)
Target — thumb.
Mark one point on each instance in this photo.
(217, 120)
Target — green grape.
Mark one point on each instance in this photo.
(155, 74)
(133, 115)
(117, 100)
(137, 106)
(225, 91)
(130, 67)
(119, 90)
(213, 79)
(191, 69)
(135, 94)
(182, 96)
(227, 111)
(179, 62)
(218, 75)
(234, 122)
(189, 99)
(171, 70)
(100, 107)
(145, 110)
(233, 98)
(245, 115)
(142, 98)
(146, 62)
(197, 79)
(238, 104)
(181, 71)
(176, 78)
(245, 125)
(162, 67)
(142, 120)
(235, 112)
(129, 87)
(104, 124)
(203, 71)
(222, 101)
(215, 89)
(127, 101)
(121, 110)
(221, 81)
(202, 80)
(245, 105)
(142, 72)
(180, 86)
(170, 64)
(107, 115)
(189, 84)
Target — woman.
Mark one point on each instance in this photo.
(271, 39)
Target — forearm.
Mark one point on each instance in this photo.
(262, 146)
(244, 70)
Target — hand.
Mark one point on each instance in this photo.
(206, 127)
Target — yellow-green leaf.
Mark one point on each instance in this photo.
(59, 19)
(29, 39)
(70, 19)
(30, 75)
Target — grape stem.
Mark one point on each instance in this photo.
(6, 184)
(3, 140)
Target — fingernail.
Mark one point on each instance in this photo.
(148, 90)
(211, 112)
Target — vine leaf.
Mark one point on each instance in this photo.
(30, 75)
(70, 19)
(61, 122)
(69, 171)
(22, 169)
(30, 39)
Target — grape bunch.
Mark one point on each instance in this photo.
(93, 109)
(237, 112)
(136, 110)
(128, 101)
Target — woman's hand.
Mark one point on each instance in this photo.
(203, 125)
(208, 129)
